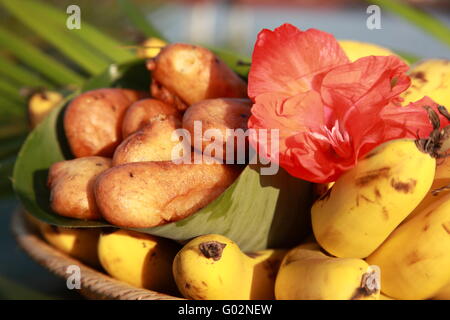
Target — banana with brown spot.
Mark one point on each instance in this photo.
(443, 294)
(212, 267)
(79, 243)
(415, 259)
(306, 273)
(369, 201)
(430, 78)
(139, 259)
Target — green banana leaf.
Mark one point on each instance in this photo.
(256, 212)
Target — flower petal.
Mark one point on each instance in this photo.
(313, 159)
(396, 122)
(364, 86)
(412, 118)
(327, 112)
(286, 60)
(301, 112)
(357, 92)
(290, 116)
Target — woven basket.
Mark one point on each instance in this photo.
(94, 284)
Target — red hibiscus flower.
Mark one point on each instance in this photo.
(329, 112)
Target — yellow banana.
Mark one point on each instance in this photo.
(369, 201)
(415, 259)
(40, 104)
(385, 297)
(443, 170)
(306, 273)
(430, 78)
(430, 199)
(139, 259)
(319, 189)
(355, 49)
(150, 48)
(444, 293)
(212, 267)
(78, 243)
(441, 181)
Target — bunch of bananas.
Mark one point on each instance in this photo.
(381, 231)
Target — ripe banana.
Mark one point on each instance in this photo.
(385, 297)
(444, 293)
(369, 201)
(78, 243)
(355, 49)
(441, 181)
(319, 189)
(212, 267)
(306, 273)
(40, 104)
(430, 78)
(415, 259)
(443, 170)
(139, 259)
(150, 48)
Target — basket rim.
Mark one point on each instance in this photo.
(94, 284)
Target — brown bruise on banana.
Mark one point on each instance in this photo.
(377, 193)
(371, 176)
(385, 213)
(212, 249)
(374, 175)
(252, 255)
(405, 187)
(446, 227)
(193, 289)
(419, 75)
(361, 196)
(272, 267)
(413, 258)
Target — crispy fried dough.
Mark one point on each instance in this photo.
(149, 194)
(71, 186)
(151, 143)
(93, 121)
(194, 73)
(143, 112)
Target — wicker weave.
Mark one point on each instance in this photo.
(94, 284)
